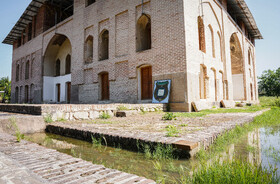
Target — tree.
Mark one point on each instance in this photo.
(5, 85)
(269, 83)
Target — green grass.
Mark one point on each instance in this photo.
(268, 101)
(158, 152)
(172, 131)
(18, 134)
(169, 116)
(104, 115)
(48, 118)
(247, 109)
(123, 108)
(236, 172)
(265, 102)
(268, 119)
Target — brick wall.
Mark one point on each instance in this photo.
(174, 53)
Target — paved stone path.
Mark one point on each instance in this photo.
(30, 163)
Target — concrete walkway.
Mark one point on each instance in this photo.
(29, 163)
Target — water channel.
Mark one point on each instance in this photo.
(261, 146)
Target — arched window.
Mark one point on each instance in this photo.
(17, 72)
(212, 41)
(104, 45)
(89, 49)
(220, 45)
(201, 34)
(57, 68)
(143, 33)
(249, 57)
(68, 64)
(27, 70)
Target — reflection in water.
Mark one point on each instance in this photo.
(254, 146)
(260, 146)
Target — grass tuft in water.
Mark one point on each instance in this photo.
(159, 152)
(233, 172)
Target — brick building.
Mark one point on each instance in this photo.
(112, 51)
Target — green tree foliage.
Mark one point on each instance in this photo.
(5, 85)
(269, 83)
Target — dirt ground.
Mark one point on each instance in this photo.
(153, 122)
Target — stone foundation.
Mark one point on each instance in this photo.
(78, 112)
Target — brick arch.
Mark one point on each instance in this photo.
(49, 39)
(212, 40)
(237, 68)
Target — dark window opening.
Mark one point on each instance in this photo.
(27, 70)
(104, 45)
(57, 68)
(17, 73)
(143, 33)
(29, 31)
(68, 64)
(26, 94)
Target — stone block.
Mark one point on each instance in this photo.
(93, 114)
(201, 105)
(228, 103)
(126, 113)
(81, 115)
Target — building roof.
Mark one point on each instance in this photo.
(238, 10)
(28, 14)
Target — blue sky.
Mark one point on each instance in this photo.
(266, 13)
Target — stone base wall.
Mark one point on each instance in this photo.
(78, 112)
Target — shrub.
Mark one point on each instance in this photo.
(48, 118)
(104, 115)
(277, 102)
(172, 131)
(169, 116)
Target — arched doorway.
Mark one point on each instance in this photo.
(57, 70)
(237, 68)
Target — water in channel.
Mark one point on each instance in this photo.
(261, 146)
